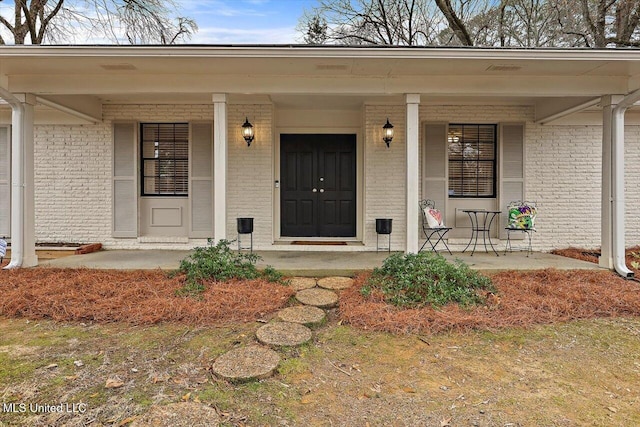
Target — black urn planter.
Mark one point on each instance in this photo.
(383, 225)
(245, 225)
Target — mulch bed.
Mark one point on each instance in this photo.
(147, 297)
(592, 255)
(136, 297)
(523, 299)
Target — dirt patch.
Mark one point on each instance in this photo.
(523, 299)
(184, 414)
(570, 374)
(136, 297)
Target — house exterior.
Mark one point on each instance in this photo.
(141, 146)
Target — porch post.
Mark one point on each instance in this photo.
(22, 183)
(219, 166)
(609, 102)
(412, 135)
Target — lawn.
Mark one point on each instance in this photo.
(122, 348)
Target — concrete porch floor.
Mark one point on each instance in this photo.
(307, 263)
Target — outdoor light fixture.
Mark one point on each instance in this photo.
(387, 135)
(247, 132)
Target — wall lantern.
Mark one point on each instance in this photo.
(387, 135)
(247, 132)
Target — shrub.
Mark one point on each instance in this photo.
(220, 263)
(417, 280)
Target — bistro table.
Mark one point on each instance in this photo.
(481, 220)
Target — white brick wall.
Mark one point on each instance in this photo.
(250, 173)
(385, 174)
(73, 183)
(73, 173)
(564, 176)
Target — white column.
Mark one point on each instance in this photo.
(22, 195)
(413, 176)
(609, 102)
(219, 166)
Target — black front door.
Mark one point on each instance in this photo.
(318, 185)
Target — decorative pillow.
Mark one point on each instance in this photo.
(3, 248)
(522, 216)
(434, 217)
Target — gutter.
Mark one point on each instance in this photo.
(617, 156)
(315, 51)
(17, 179)
(576, 109)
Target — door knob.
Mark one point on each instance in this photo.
(322, 190)
(315, 190)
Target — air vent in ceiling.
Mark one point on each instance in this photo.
(118, 67)
(331, 67)
(504, 68)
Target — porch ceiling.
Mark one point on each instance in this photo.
(305, 77)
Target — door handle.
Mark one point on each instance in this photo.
(322, 190)
(315, 190)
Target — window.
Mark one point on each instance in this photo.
(472, 160)
(165, 159)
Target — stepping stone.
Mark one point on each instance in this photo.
(283, 333)
(300, 283)
(303, 314)
(246, 363)
(322, 298)
(335, 282)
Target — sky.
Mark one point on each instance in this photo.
(246, 21)
(227, 21)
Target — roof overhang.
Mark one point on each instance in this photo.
(185, 73)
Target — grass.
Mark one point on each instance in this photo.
(576, 371)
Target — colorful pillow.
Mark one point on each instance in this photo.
(434, 217)
(522, 216)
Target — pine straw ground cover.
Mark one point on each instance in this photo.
(591, 255)
(135, 297)
(148, 297)
(523, 299)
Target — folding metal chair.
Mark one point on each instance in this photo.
(433, 225)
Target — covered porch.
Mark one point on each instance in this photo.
(102, 107)
(315, 264)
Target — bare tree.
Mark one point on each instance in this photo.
(119, 21)
(600, 23)
(377, 22)
(522, 23)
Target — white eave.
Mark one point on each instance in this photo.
(189, 73)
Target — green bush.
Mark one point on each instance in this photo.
(220, 263)
(417, 280)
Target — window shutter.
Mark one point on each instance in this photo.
(201, 191)
(5, 181)
(125, 201)
(512, 171)
(435, 165)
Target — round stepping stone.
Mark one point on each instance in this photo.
(283, 333)
(335, 282)
(246, 363)
(300, 283)
(303, 314)
(322, 298)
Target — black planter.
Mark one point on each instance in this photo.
(245, 225)
(383, 225)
